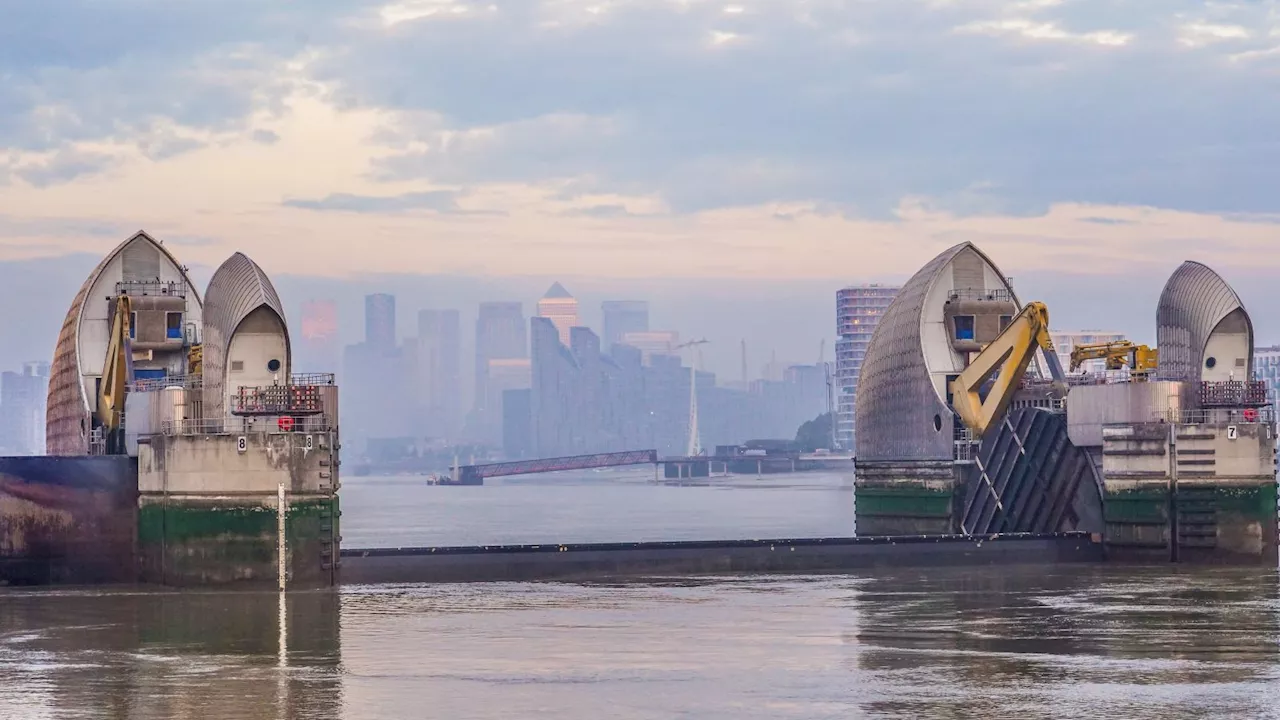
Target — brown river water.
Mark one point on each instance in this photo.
(1009, 642)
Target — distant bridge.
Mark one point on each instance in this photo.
(679, 466)
(475, 474)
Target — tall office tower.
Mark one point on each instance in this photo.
(437, 375)
(555, 384)
(22, 409)
(622, 317)
(1065, 342)
(858, 309)
(561, 309)
(380, 322)
(317, 344)
(500, 335)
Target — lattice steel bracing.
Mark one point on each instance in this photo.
(571, 462)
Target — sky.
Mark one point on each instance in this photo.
(746, 157)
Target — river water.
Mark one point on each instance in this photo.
(1015, 642)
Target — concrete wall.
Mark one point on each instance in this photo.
(907, 498)
(208, 509)
(214, 465)
(1195, 493)
(258, 344)
(1090, 407)
(67, 520)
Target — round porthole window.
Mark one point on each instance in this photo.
(273, 365)
(1210, 362)
(937, 423)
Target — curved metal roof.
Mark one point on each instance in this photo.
(1194, 301)
(896, 400)
(67, 415)
(237, 288)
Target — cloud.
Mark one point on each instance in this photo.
(861, 103)
(445, 201)
(63, 166)
(577, 108)
(265, 137)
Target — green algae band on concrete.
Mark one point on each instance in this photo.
(199, 541)
(910, 510)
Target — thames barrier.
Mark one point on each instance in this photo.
(185, 449)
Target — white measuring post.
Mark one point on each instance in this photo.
(280, 531)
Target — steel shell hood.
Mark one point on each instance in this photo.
(900, 414)
(68, 420)
(1195, 306)
(238, 288)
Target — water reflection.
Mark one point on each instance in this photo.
(1024, 642)
(169, 655)
(1142, 642)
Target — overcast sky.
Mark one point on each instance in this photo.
(817, 141)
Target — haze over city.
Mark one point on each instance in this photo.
(732, 163)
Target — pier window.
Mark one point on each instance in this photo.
(133, 325)
(173, 325)
(964, 327)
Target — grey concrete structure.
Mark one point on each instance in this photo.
(1203, 332)
(246, 338)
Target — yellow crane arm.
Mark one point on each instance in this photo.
(1142, 360)
(1007, 357)
(115, 371)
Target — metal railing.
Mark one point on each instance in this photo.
(998, 294)
(155, 384)
(1218, 417)
(244, 426)
(278, 400)
(151, 287)
(1233, 393)
(312, 379)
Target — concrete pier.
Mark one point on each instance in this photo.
(208, 508)
(1202, 493)
(908, 498)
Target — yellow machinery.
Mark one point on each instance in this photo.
(116, 374)
(195, 360)
(1007, 357)
(1140, 359)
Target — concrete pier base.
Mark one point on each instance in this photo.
(208, 510)
(908, 498)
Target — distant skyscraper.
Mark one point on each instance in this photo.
(622, 317)
(555, 386)
(500, 335)
(858, 309)
(652, 342)
(561, 309)
(318, 348)
(22, 409)
(380, 322)
(438, 377)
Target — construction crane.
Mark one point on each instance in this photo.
(1007, 357)
(117, 373)
(1140, 359)
(694, 446)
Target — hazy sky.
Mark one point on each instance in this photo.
(809, 143)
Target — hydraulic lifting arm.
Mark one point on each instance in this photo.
(1140, 359)
(116, 372)
(1008, 357)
